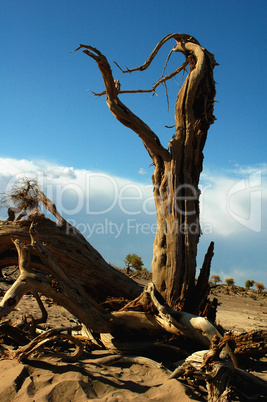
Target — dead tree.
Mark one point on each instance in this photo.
(55, 260)
(78, 271)
(175, 179)
(177, 170)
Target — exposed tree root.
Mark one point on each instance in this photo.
(51, 335)
(223, 381)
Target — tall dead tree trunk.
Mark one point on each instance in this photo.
(177, 170)
(176, 182)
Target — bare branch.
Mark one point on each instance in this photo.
(94, 49)
(167, 96)
(50, 335)
(157, 83)
(130, 91)
(171, 75)
(121, 112)
(51, 207)
(176, 36)
(44, 315)
(166, 63)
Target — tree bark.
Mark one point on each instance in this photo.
(177, 170)
(82, 263)
(176, 184)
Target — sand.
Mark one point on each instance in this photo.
(54, 380)
(51, 379)
(241, 312)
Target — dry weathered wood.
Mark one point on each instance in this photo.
(51, 335)
(177, 170)
(51, 207)
(252, 343)
(202, 287)
(224, 382)
(67, 293)
(44, 315)
(135, 325)
(56, 260)
(132, 324)
(79, 260)
(176, 193)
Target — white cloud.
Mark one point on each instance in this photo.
(142, 171)
(118, 216)
(234, 203)
(231, 201)
(10, 167)
(80, 191)
(247, 170)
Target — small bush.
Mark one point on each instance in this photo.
(133, 261)
(229, 282)
(260, 286)
(215, 279)
(23, 195)
(249, 283)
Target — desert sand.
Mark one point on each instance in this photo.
(52, 379)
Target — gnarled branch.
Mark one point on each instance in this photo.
(160, 81)
(51, 335)
(179, 37)
(121, 112)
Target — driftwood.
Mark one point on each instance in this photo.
(223, 381)
(51, 335)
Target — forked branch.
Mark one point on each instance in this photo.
(160, 81)
(51, 207)
(121, 112)
(184, 38)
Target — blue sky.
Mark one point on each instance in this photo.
(53, 127)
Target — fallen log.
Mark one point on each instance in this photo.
(252, 343)
(79, 260)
